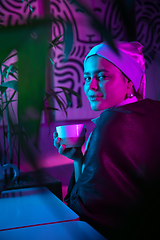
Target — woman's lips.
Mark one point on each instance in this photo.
(95, 97)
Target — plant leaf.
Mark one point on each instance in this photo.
(9, 40)
(10, 56)
(3, 74)
(2, 89)
(71, 92)
(28, 5)
(127, 10)
(68, 99)
(60, 102)
(31, 83)
(8, 71)
(10, 84)
(9, 101)
(55, 41)
(13, 75)
(52, 62)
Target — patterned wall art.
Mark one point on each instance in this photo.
(16, 12)
(70, 73)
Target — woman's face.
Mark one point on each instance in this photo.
(105, 85)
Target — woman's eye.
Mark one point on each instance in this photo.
(102, 77)
(87, 79)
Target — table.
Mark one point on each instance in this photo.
(77, 230)
(38, 178)
(32, 206)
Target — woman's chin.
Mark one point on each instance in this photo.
(99, 107)
(96, 107)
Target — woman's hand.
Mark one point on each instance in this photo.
(74, 153)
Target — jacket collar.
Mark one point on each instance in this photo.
(124, 102)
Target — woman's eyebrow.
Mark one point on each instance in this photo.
(96, 71)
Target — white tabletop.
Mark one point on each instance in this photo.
(32, 206)
(77, 230)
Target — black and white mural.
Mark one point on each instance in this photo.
(16, 11)
(70, 73)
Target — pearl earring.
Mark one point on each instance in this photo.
(130, 95)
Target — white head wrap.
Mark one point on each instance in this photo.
(130, 61)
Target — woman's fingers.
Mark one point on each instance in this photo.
(55, 134)
(67, 152)
(62, 148)
(71, 153)
(56, 140)
(57, 144)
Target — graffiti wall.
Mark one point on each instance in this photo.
(70, 73)
(16, 12)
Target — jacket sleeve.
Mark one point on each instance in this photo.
(70, 187)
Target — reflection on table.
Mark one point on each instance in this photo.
(77, 230)
(32, 206)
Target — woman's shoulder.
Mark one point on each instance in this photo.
(148, 101)
(143, 106)
(146, 110)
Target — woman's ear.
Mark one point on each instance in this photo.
(130, 87)
(129, 84)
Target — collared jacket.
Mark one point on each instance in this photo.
(118, 192)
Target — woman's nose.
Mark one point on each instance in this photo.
(94, 84)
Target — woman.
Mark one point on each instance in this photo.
(116, 182)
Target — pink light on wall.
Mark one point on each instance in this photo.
(43, 7)
(40, 8)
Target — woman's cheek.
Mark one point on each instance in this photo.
(85, 89)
